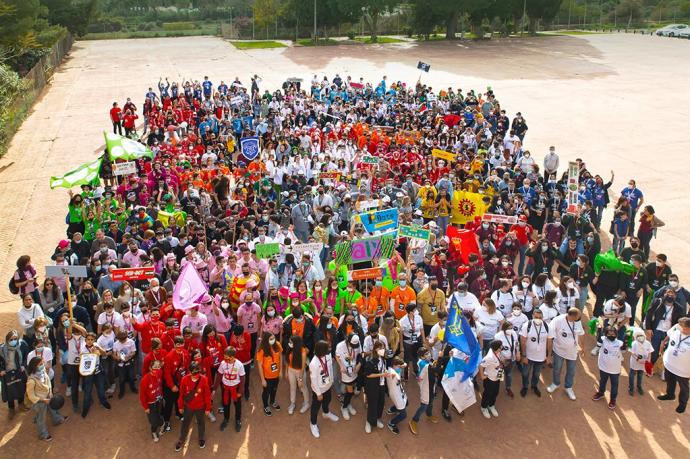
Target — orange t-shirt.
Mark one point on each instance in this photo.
(298, 328)
(270, 364)
(401, 299)
(377, 303)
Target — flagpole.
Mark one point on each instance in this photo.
(69, 302)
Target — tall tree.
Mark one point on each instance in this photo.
(541, 10)
(17, 19)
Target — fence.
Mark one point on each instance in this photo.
(34, 81)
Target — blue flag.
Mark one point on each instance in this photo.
(459, 335)
(250, 147)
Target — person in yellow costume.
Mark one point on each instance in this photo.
(427, 194)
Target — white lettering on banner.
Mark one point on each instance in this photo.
(497, 218)
(301, 248)
(130, 167)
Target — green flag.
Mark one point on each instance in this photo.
(610, 262)
(86, 174)
(120, 147)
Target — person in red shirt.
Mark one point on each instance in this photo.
(149, 329)
(170, 333)
(157, 353)
(242, 342)
(175, 367)
(523, 234)
(194, 402)
(190, 343)
(151, 396)
(116, 118)
(212, 347)
(128, 122)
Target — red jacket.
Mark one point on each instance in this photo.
(150, 357)
(168, 339)
(202, 395)
(151, 388)
(149, 330)
(213, 350)
(175, 367)
(243, 345)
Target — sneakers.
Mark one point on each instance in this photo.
(167, 427)
(221, 410)
(523, 392)
(413, 426)
(631, 392)
(351, 410)
(367, 427)
(485, 413)
(571, 393)
(391, 410)
(346, 413)
(493, 411)
(552, 388)
(379, 424)
(446, 415)
(612, 405)
(155, 437)
(304, 408)
(267, 411)
(510, 393)
(330, 416)
(48, 438)
(291, 408)
(68, 392)
(433, 419)
(238, 425)
(202, 444)
(178, 446)
(393, 428)
(315, 430)
(595, 351)
(211, 416)
(597, 396)
(536, 391)
(665, 397)
(275, 406)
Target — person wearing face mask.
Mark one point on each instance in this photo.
(401, 296)
(565, 335)
(491, 373)
(296, 362)
(12, 371)
(27, 314)
(151, 397)
(123, 353)
(543, 256)
(682, 294)
(609, 362)
(156, 295)
(194, 402)
(677, 363)
(40, 392)
(663, 314)
(640, 353)
(569, 295)
(523, 235)
(348, 354)
(430, 301)
(321, 378)
(657, 277)
(106, 341)
(535, 351)
(397, 394)
(509, 353)
(413, 335)
(374, 369)
(503, 297)
(271, 321)
(269, 364)
(635, 197)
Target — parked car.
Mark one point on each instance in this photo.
(672, 30)
(685, 33)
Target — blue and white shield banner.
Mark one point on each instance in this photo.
(250, 147)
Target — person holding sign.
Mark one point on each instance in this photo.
(92, 373)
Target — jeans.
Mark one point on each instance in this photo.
(603, 379)
(564, 246)
(155, 415)
(584, 294)
(631, 379)
(98, 380)
(535, 367)
(41, 409)
(399, 417)
(268, 394)
(521, 264)
(293, 377)
(187, 422)
(442, 223)
(657, 337)
(490, 392)
(316, 404)
(508, 372)
(618, 244)
(126, 375)
(671, 380)
(569, 370)
(418, 414)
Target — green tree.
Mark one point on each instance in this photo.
(75, 15)
(17, 19)
(265, 12)
(541, 10)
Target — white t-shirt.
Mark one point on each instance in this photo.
(517, 321)
(467, 302)
(491, 365)
(548, 313)
(564, 335)
(536, 339)
(639, 354)
(231, 372)
(396, 390)
(347, 360)
(610, 356)
(115, 319)
(490, 323)
(511, 344)
(321, 374)
(677, 353)
(125, 350)
(411, 329)
(568, 300)
(106, 342)
(437, 348)
(524, 298)
(368, 345)
(75, 346)
(616, 314)
(504, 301)
(541, 291)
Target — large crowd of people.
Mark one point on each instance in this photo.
(330, 150)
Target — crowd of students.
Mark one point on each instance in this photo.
(296, 316)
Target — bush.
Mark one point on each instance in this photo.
(351, 34)
(170, 26)
(407, 30)
(146, 26)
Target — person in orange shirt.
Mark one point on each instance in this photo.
(401, 296)
(270, 370)
(376, 303)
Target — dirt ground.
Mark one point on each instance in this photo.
(617, 101)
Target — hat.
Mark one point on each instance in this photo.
(523, 218)
(63, 244)
(284, 291)
(354, 340)
(188, 249)
(206, 298)
(432, 224)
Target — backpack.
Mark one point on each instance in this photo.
(14, 290)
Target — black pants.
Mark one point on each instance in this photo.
(238, 409)
(316, 404)
(490, 392)
(247, 372)
(117, 126)
(155, 415)
(376, 398)
(187, 422)
(125, 374)
(671, 380)
(254, 337)
(170, 405)
(268, 394)
(74, 384)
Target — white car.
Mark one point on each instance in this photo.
(672, 30)
(685, 33)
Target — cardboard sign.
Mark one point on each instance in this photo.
(445, 155)
(414, 232)
(301, 248)
(130, 167)
(423, 66)
(64, 271)
(362, 274)
(329, 175)
(267, 250)
(573, 182)
(497, 218)
(380, 220)
(367, 159)
(237, 100)
(362, 250)
(128, 274)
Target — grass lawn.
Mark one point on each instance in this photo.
(213, 30)
(576, 32)
(321, 42)
(257, 44)
(367, 40)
